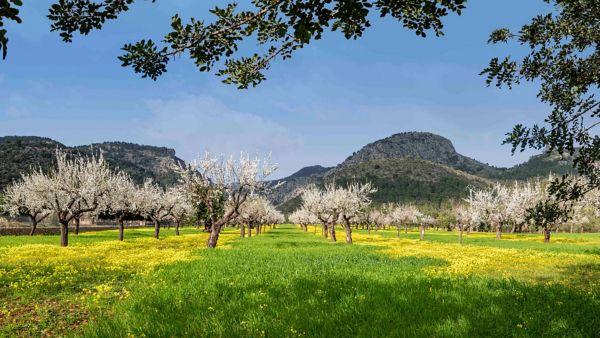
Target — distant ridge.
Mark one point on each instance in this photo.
(415, 167)
(19, 154)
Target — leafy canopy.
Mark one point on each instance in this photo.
(563, 58)
(279, 28)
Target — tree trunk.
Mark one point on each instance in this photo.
(546, 235)
(64, 233)
(76, 225)
(498, 232)
(460, 233)
(369, 229)
(324, 228)
(121, 229)
(305, 227)
(348, 229)
(422, 231)
(571, 228)
(332, 232)
(156, 228)
(214, 236)
(242, 230)
(405, 228)
(398, 231)
(177, 222)
(249, 230)
(34, 224)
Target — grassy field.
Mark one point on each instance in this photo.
(289, 283)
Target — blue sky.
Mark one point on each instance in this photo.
(329, 100)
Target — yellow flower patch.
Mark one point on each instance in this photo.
(43, 265)
(464, 260)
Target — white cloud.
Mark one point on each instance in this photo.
(194, 124)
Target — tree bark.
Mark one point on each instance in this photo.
(249, 230)
(348, 228)
(156, 228)
(242, 230)
(368, 229)
(498, 232)
(64, 233)
(460, 233)
(121, 229)
(34, 224)
(398, 231)
(214, 236)
(177, 222)
(324, 229)
(422, 232)
(76, 219)
(546, 235)
(332, 232)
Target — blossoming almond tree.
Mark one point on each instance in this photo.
(213, 181)
(121, 201)
(252, 213)
(352, 201)
(76, 186)
(23, 198)
(155, 203)
(182, 207)
(303, 217)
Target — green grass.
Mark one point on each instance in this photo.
(287, 283)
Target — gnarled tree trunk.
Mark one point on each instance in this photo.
(214, 236)
(76, 220)
(422, 232)
(546, 235)
(242, 230)
(34, 224)
(498, 232)
(348, 229)
(332, 232)
(156, 228)
(177, 223)
(64, 233)
(121, 228)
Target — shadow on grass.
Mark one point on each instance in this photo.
(314, 288)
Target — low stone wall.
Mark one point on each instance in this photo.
(23, 231)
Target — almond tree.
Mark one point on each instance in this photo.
(404, 214)
(313, 201)
(212, 182)
(465, 217)
(23, 198)
(425, 220)
(75, 187)
(155, 203)
(303, 217)
(182, 208)
(326, 205)
(252, 213)
(122, 200)
(353, 201)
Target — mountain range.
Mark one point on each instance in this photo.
(414, 167)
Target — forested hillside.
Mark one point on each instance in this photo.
(19, 154)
